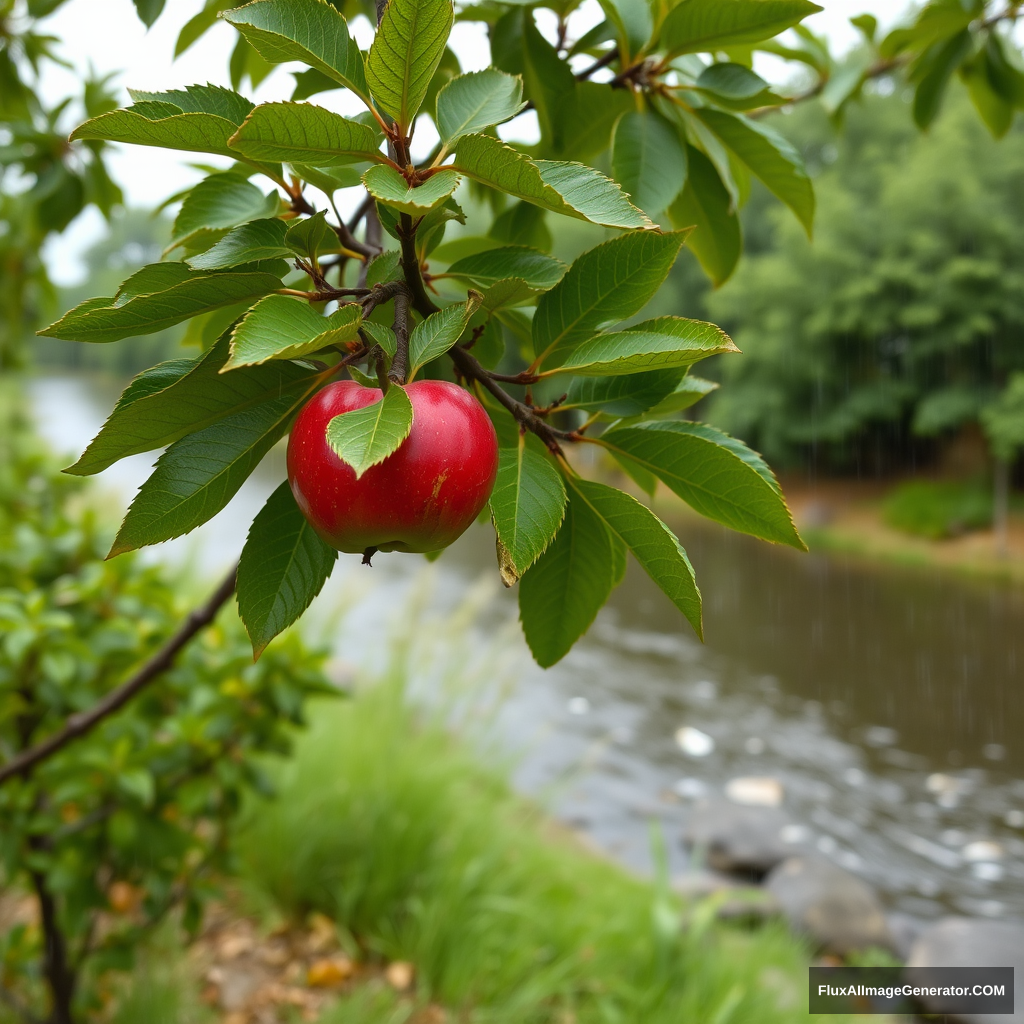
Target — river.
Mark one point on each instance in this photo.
(886, 701)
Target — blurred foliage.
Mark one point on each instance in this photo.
(45, 181)
(939, 509)
(902, 321)
(1003, 420)
(134, 238)
(128, 822)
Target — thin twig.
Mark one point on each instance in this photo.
(80, 724)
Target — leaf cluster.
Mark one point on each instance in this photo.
(258, 272)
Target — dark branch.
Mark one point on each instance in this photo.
(400, 364)
(601, 62)
(81, 724)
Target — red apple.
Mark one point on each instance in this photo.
(421, 497)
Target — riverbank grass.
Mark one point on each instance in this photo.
(395, 828)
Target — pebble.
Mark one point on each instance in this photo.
(693, 742)
(755, 791)
(982, 850)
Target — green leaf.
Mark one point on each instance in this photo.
(280, 327)
(630, 395)
(689, 391)
(221, 201)
(181, 294)
(198, 475)
(703, 26)
(304, 133)
(199, 99)
(933, 70)
(364, 437)
(149, 10)
(311, 31)
(736, 86)
(768, 155)
(715, 474)
(648, 160)
(632, 21)
(609, 283)
(562, 592)
(384, 268)
(504, 294)
(591, 194)
(284, 565)
(162, 405)
(310, 235)
(550, 83)
(195, 133)
(571, 189)
(470, 103)
(381, 334)
(248, 243)
(435, 335)
(994, 109)
(527, 505)
(587, 118)
(387, 185)
(406, 50)
(197, 26)
(533, 267)
(330, 179)
(706, 206)
(665, 343)
(521, 224)
(653, 544)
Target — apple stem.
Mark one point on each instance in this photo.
(367, 555)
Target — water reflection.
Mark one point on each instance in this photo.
(886, 702)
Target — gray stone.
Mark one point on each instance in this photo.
(834, 908)
(738, 838)
(963, 942)
(905, 930)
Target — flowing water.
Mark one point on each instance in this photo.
(887, 702)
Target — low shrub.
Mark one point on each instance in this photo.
(939, 509)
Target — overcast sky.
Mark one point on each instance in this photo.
(118, 42)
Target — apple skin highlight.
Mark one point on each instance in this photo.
(421, 497)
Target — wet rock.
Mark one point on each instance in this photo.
(697, 884)
(964, 942)
(904, 930)
(831, 906)
(738, 838)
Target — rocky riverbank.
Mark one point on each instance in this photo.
(752, 859)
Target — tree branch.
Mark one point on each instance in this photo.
(80, 724)
(400, 364)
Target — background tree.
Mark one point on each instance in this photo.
(876, 345)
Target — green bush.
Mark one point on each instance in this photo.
(938, 509)
(121, 826)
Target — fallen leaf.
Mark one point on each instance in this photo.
(329, 972)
